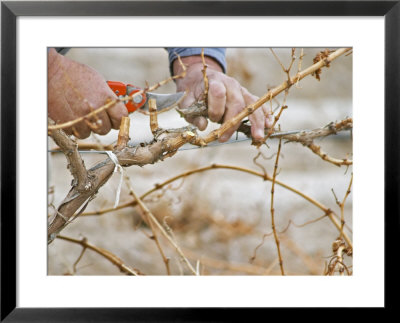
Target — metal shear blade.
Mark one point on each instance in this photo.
(163, 100)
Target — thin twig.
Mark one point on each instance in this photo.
(342, 222)
(123, 135)
(335, 161)
(299, 66)
(153, 116)
(291, 62)
(154, 237)
(160, 227)
(77, 260)
(254, 256)
(88, 146)
(278, 60)
(103, 252)
(276, 119)
(93, 113)
(157, 242)
(205, 78)
(229, 266)
(306, 139)
(273, 210)
(312, 266)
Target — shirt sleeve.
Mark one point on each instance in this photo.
(62, 50)
(216, 53)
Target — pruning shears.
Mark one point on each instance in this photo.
(141, 101)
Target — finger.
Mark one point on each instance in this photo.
(80, 130)
(234, 104)
(200, 122)
(111, 117)
(115, 114)
(59, 110)
(257, 118)
(269, 119)
(101, 124)
(216, 100)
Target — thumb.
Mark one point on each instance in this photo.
(200, 122)
(188, 100)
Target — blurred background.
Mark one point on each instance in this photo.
(220, 217)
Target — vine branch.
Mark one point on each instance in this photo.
(273, 210)
(103, 252)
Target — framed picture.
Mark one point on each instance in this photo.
(41, 280)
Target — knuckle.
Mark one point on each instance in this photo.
(236, 101)
(233, 84)
(217, 90)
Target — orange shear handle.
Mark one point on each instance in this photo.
(120, 89)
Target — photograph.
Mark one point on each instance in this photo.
(200, 161)
(204, 146)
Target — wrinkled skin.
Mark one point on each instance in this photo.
(226, 97)
(74, 90)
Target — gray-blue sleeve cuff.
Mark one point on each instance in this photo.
(62, 50)
(216, 53)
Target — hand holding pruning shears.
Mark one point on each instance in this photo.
(74, 90)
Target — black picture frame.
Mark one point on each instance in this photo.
(10, 10)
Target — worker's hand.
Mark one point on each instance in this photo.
(226, 97)
(74, 90)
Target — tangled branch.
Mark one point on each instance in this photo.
(327, 211)
(103, 252)
(166, 143)
(86, 184)
(216, 134)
